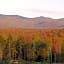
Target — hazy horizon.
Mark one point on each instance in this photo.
(31, 17)
(33, 8)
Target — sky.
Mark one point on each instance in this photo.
(33, 8)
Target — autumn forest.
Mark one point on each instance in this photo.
(25, 46)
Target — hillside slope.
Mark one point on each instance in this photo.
(15, 21)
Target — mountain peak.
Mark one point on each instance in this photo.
(16, 21)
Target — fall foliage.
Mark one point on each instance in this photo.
(30, 44)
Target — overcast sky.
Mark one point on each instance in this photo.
(33, 8)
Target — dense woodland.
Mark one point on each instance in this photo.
(47, 47)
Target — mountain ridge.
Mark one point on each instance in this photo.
(16, 21)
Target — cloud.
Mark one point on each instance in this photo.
(45, 11)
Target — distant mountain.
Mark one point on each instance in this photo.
(16, 21)
(61, 19)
